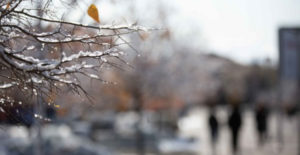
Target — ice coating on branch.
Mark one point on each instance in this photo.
(34, 92)
(30, 47)
(103, 59)
(11, 84)
(43, 34)
(129, 27)
(36, 80)
(28, 58)
(82, 54)
(86, 54)
(87, 66)
(7, 85)
(114, 54)
(54, 40)
(94, 76)
(30, 63)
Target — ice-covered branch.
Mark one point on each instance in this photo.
(133, 27)
(7, 85)
(35, 56)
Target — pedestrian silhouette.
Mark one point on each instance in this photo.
(214, 128)
(261, 116)
(235, 122)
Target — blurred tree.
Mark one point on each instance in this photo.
(261, 80)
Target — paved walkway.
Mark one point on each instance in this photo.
(248, 139)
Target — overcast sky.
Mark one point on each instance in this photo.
(240, 29)
(244, 30)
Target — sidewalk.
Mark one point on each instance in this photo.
(248, 137)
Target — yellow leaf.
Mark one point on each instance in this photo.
(56, 105)
(93, 12)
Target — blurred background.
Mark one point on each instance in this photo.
(217, 78)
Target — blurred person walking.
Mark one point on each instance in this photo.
(261, 117)
(235, 122)
(214, 128)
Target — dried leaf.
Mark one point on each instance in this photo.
(93, 12)
(143, 35)
(7, 6)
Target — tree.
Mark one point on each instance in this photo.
(39, 52)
